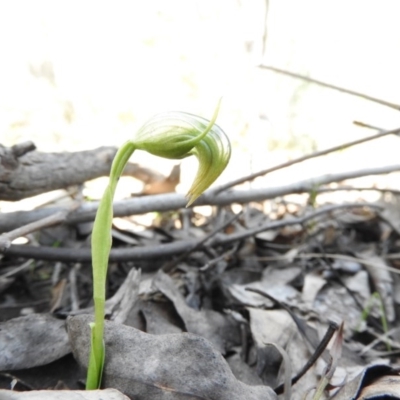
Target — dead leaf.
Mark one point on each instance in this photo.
(119, 306)
(5, 283)
(271, 326)
(107, 394)
(160, 318)
(58, 292)
(335, 302)
(242, 371)
(335, 353)
(274, 282)
(30, 341)
(220, 330)
(384, 387)
(313, 283)
(125, 298)
(288, 370)
(162, 367)
(371, 374)
(382, 281)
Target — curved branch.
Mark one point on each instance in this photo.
(174, 201)
(25, 172)
(168, 249)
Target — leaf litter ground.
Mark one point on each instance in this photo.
(227, 319)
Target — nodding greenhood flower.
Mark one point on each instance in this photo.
(177, 135)
(172, 135)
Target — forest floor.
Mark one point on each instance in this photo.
(253, 294)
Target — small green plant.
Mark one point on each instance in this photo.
(375, 298)
(171, 135)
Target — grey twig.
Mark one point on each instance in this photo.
(330, 86)
(53, 219)
(174, 201)
(170, 266)
(25, 173)
(165, 250)
(316, 154)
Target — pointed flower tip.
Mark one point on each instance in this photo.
(191, 199)
(177, 135)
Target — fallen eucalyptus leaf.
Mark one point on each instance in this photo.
(31, 341)
(353, 388)
(220, 330)
(162, 367)
(60, 374)
(384, 387)
(119, 306)
(288, 370)
(107, 394)
(160, 318)
(382, 281)
(127, 296)
(270, 326)
(242, 371)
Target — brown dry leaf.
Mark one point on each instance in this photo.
(220, 330)
(107, 394)
(384, 387)
(30, 341)
(367, 378)
(162, 367)
(58, 292)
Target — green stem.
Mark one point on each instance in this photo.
(101, 246)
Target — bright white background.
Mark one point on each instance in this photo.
(75, 75)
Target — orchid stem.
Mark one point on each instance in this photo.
(101, 246)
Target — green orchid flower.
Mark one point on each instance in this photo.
(174, 135)
(177, 135)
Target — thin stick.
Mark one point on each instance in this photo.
(344, 257)
(368, 126)
(163, 250)
(54, 219)
(330, 86)
(170, 266)
(357, 189)
(332, 328)
(316, 154)
(174, 201)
